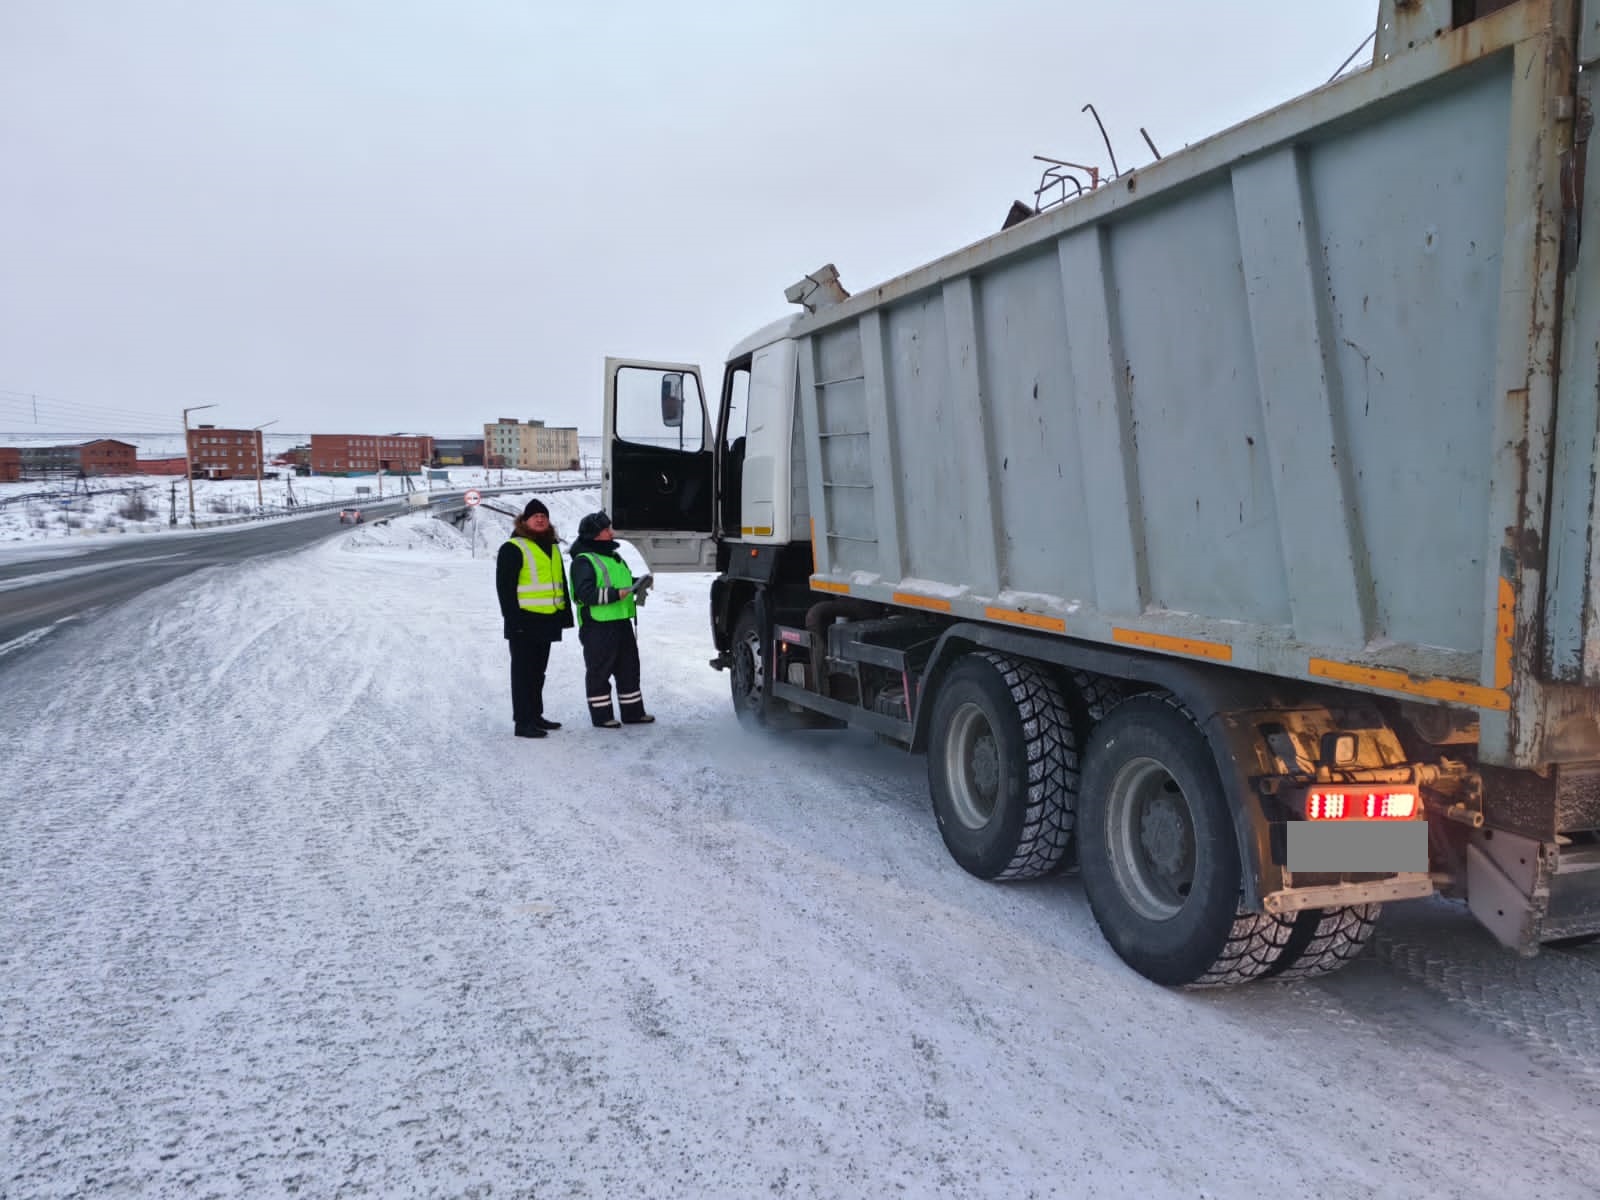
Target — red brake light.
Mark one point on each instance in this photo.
(1325, 806)
(1360, 806)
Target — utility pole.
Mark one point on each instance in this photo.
(260, 503)
(188, 464)
(172, 508)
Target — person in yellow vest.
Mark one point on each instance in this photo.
(531, 582)
(606, 597)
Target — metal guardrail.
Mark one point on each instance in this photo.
(450, 497)
(62, 494)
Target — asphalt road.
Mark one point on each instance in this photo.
(68, 583)
(73, 584)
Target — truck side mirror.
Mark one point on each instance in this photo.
(672, 400)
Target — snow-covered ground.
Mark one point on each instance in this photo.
(35, 510)
(286, 909)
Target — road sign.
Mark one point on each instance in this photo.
(472, 497)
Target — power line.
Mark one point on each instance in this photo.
(34, 408)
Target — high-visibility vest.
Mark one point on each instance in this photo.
(539, 587)
(609, 573)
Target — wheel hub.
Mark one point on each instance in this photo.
(1161, 833)
(972, 766)
(1152, 841)
(747, 668)
(985, 765)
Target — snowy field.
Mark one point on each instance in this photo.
(286, 909)
(36, 510)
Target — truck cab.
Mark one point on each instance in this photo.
(683, 476)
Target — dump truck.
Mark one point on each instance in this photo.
(1227, 530)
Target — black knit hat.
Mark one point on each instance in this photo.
(535, 508)
(595, 523)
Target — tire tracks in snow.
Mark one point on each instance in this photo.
(1549, 1004)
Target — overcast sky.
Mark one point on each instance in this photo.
(373, 215)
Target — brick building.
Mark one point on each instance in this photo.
(533, 446)
(224, 453)
(94, 456)
(361, 454)
(160, 466)
(10, 464)
(107, 456)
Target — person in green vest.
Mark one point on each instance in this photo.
(607, 597)
(530, 580)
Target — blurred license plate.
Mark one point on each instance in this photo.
(1363, 847)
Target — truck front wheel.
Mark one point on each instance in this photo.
(745, 674)
(1158, 856)
(1002, 767)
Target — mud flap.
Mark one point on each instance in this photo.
(1527, 892)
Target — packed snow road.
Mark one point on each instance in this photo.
(285, 908)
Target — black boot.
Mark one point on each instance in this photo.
(528, 729)
(600, 713)
(543, 724)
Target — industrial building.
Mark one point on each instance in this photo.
(458, 451)
(530, 446)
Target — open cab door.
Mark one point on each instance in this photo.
(656, 481)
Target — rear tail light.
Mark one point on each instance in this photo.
(1322, 805)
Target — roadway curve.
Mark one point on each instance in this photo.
(71, 582)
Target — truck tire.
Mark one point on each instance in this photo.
(1002, 768)
(1096, 695)
(1158, 856)
(745, 672)
(1323, 940)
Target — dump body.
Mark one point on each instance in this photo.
(1315, 398)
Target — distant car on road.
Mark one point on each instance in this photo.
(350, 516)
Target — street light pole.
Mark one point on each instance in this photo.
(188, 464)
(260, 503)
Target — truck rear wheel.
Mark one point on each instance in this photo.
(1002, 768)
(1157, 852)
(1324, 940)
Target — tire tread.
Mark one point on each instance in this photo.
(1338, 937)
(1052, 756)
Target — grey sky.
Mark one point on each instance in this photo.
(373, 215)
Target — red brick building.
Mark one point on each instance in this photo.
(161, 466)
(363, 454)
(107, 456)
(94, 456)
(10, 464)
(224, 453)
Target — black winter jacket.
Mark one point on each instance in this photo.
(518, 621)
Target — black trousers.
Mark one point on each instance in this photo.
(530, 655)
(611, 651)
